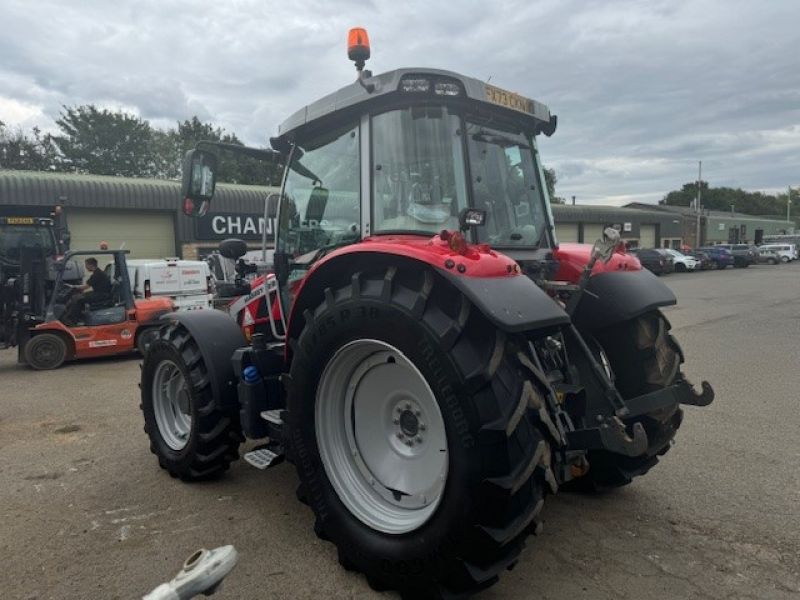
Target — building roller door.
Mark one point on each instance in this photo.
(592, 232)
(647, 236)
(567, 232)
(145, 234)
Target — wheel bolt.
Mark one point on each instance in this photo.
(409, 442)
(400, 435)
(418, 440)
(422, 427)
(408, 406)
(417, 413)
(396, 421)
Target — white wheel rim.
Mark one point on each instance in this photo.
(171, 405)
(381, 436)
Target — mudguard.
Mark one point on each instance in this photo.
(512, 304)
(614, 297)
(217, 337)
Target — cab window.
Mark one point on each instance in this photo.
(321, 204)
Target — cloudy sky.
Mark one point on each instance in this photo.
(643, 89)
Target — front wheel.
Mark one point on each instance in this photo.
(417, 434)
(192, 436)
(643, 357)
(46, 351)
(784, 259)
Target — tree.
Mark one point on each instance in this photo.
(20, 151)
(104, 142)
(551, 180)
(722, 198)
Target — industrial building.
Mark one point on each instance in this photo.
(141, 215)
(717, 227)
(638, 227)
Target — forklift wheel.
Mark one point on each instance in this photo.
(46, 351)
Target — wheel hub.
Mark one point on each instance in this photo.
(409, 423)
(172, 405)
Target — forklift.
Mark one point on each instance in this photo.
(32, 312)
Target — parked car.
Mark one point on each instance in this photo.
(682, 262)
(744, 255)
(654, 261)
(703, 260)
(786, 252)
(186, 282)
(767, 256)
(720, 257)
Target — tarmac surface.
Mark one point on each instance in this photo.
(85, 512)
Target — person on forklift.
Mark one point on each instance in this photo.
(95, 292)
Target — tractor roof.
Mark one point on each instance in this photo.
(354, 99)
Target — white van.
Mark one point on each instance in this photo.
(186, 282)
(787, 252)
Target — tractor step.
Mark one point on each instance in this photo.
(265, 457)
(272, 416)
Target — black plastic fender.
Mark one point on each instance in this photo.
(512, 304)
(619, 296)
(218, 337)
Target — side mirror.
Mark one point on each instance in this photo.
(273, 200)
(604, 247)
(199, 180)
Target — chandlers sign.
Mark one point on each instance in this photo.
(219, 226)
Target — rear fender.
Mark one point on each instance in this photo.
(513, 303)
(218, 337)
(614, 297)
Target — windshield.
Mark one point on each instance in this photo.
(505, 184)
(418, 170)
(429, 163)
(14, 237)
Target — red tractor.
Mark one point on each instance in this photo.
(439, 364)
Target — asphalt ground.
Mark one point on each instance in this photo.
(85, 512)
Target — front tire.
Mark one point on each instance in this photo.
(644, 358)
(46, 351)
(191, 434)
(404, 346)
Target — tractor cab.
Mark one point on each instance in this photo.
(401, 155)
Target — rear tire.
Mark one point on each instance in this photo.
(497, 445)
(46, 351)
(193, 437)
(644, 358)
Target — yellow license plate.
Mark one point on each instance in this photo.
(19, 220)
(509, 99)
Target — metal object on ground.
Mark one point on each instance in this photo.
(202, 573)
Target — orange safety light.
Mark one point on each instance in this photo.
(358, 46)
